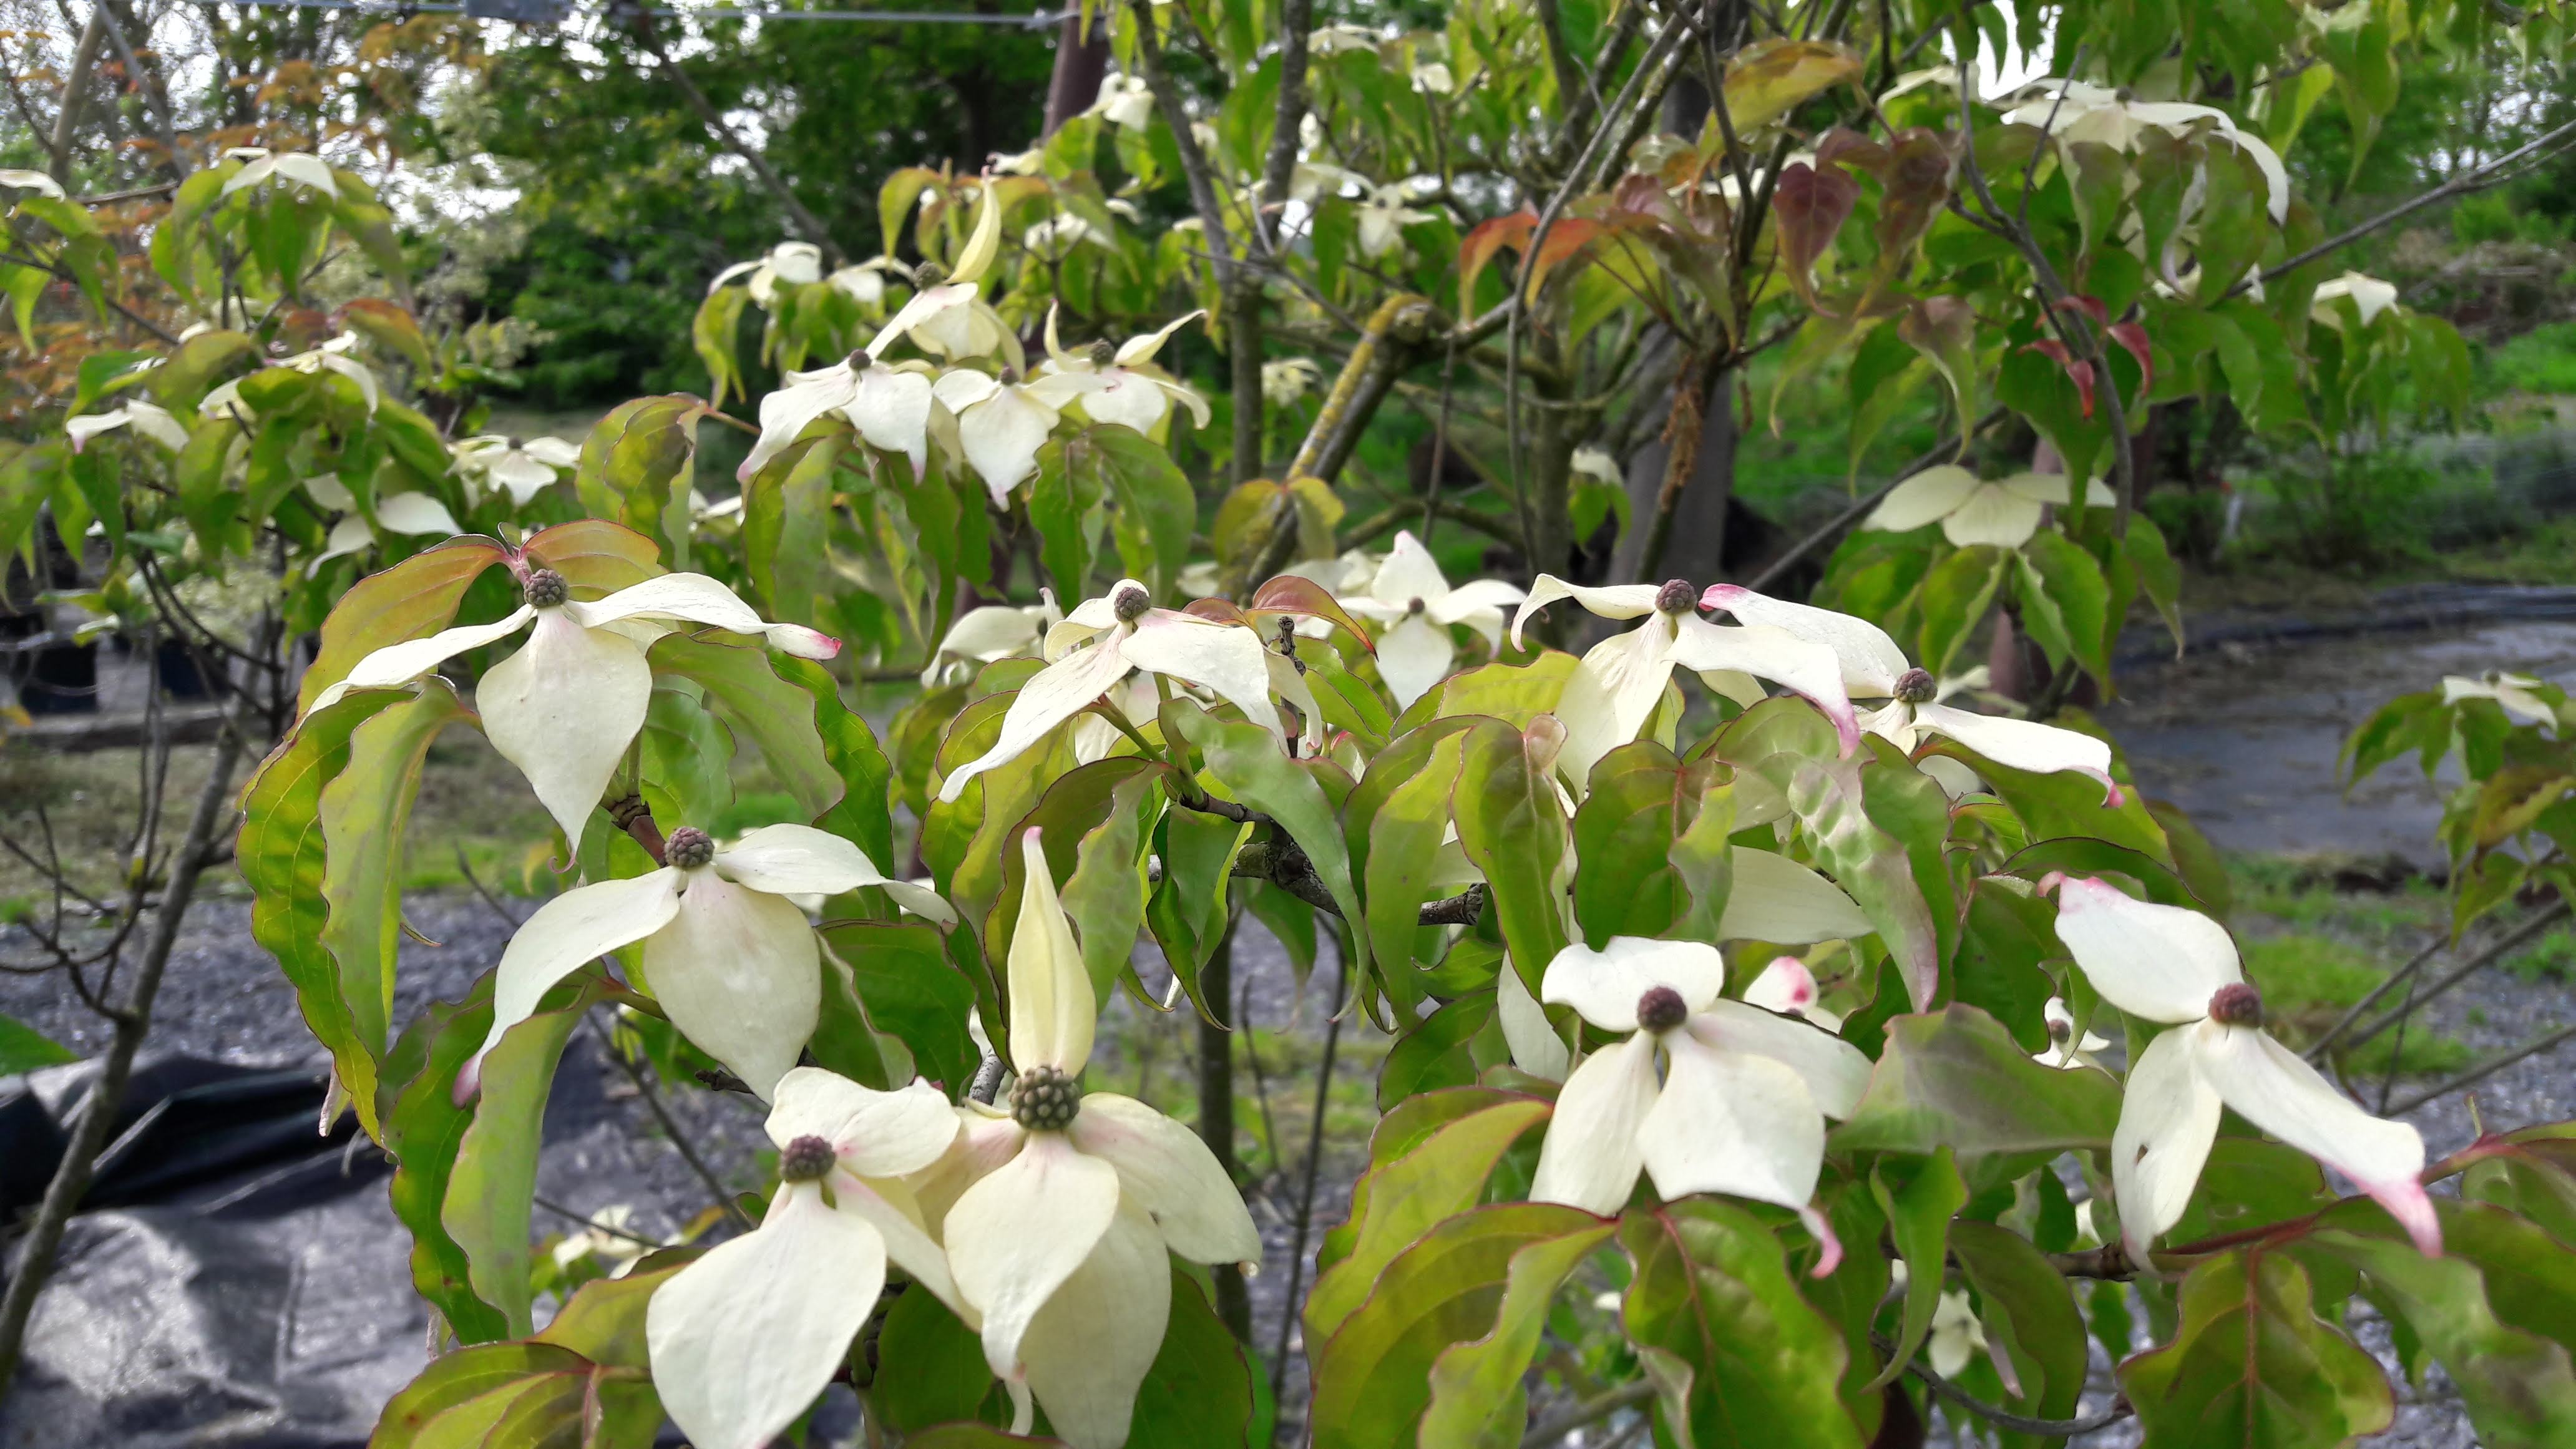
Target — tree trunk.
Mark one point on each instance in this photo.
(1694, 543)
(75, 91)
(98, 1110)
(1081, 62)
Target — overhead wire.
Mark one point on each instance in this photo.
(1041, 20)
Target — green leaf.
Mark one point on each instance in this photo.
(492, 1188)
(24, 1049)
(1398, 1200)
(1918, 1218)
(412, 600)
(1199, 1391)
(864, 813)
(711, 333)
(787, 526)
(594, 555)
(1436, 1354)
(2063, 585)
(457, 1379)
(1157, 513)
(1106, 893)
(2158, 572)
(1955, 597)
(604, 1320)
(777, 715)
(1247, 760)
(2029, 1313)
(1432, 1054)
(1066, 511)
(1512, 824)
(1399, 814)
(1832, 804)
(636, 466)
(1739, 1359)
(1624, 832)
(423, 1126)
(363, 814)
(1956, 1078)
(932, 1368)
(912, 990)
(2519, 1386)
(2252, 1365)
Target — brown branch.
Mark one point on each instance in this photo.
(804, 219)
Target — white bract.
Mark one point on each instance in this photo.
(2518, 694)
(1598, 465)
(1742, 1105)
(991, 632)
(2073, 111)
(727, 953)
(1874, 668)
(301, 167)
(2004, 512)
(1131, 390)
(864, 282)
(410, 514)
(1105, 639)
(35, 181)
(1288, 379)
(795, 264)
(945, 316)
(1957, 1336)
(1059, 1240)
(2370, 297)
(522, 469)
(2176, 966)
(568, 703)
(889, 403)
(1003, 421)
(1383, 215)
(2066, 1049)
(745, 1338)
(1620, 681)
(1789, 988)
(1408, 595)
(1125, 102)
(149, 419)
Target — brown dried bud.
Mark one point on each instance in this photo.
(1677, 597)
(2236, 1004)
(1045, 1100)
(807, 1159)
(1917, 686)
(688, 848)
(1661, 1009)
(547, 589)
(1130, 603)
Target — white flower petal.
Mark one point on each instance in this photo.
(1871, 661)
(563, 709)
(1732, 1123)
(1088, 1350)
(415, 513)
(797, 860)
(1775, 654)
(1926, 497)
(1129, 399)
(1611, 694)
(1407, 573)
(1617, 601)
(2272, 1088)
(1167, 1171)
(892, 411)
(745, 1338)
(399, 664)
(1020, 1231)
(1226, 658)
(36, 181)
(1992, 515)
(577, 927)
(1591, 1155)
(1052, 1011)
(1536, 1047)
(1776, 899)
(1141, 348)
(2160, 962)
(1603, 986)
(1786, 985)
(890, 1208)
(1002, 436)
(523, 477)
(785, 414)
(310, 170)
(2021, 744)
(1413, 656)
(553, 452)
(875, 1134)
(2168, 1119)
(1835, 1071)
(1053, 695)
(741, 976)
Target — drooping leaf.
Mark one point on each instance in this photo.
(1956, 1078)
(2252, 1365)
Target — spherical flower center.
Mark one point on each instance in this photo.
(859, 360)
(2060, 1029)
(1415, 606)
(1130, 604)
(547, 589)
(1102, 354)
(1010, 377)
(928, 275)
(807, 1159)
(1661, 1009)
(1917, 686)
(1676, 596)
(514, 444)
(688, 848)
(1045, 1100)
(2236, 1004)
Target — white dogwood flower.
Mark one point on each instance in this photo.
(2177, 966)
(149, 419)
(1119, 632)
(2072, 111)
(864, 282)
(35, 181)
(1789, 988)
(1060, 1239)
(520, 468)
(1132, 390)
(727, 952)
(1288, 379)
(1002, 421)
(889, 403)
(745, 1338)
(2004, 512)
(2370, 297)
(2518, 694)
(413, 515)
(301, 167)
(993, 631)
(1956, 1337)
(1744, 1099)
(1125, 102)
(568, 703)
(2066, 1050)
(793, 264)
(1409, 595)
(1383, 215)
(1598, 465)
(1619, 682)
(944, 315)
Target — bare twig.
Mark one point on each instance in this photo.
(2480, 1072)
(2504, 946)
(1593, 1410)
(672, 1129)
(1314, 1164)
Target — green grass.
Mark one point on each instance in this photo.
(2315, 950)
(2542, 360)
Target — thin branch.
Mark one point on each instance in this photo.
(594, 1224)
(2006, 1418)
(1590, 1411)
(1314, 1163)
(804, 219)
(2509, 943)
(2481, 1072)
(671, 1128)
(1834, 526)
